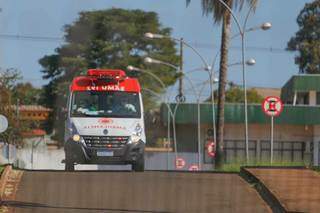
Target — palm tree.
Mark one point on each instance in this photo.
(221, 14)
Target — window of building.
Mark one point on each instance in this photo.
(303, 98)
(318, 98)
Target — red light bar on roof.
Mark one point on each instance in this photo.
(91, 83)
(107, 73)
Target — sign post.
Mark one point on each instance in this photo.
(271, 141)
(272, 106)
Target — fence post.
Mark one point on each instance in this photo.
(316, 153)
(258, 150)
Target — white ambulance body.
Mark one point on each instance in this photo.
(105, 122)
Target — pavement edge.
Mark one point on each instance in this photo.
(9, 182)
(263, 191)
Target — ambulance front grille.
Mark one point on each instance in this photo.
(106, 141)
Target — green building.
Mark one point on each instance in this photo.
(296, 130)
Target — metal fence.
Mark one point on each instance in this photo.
(259, 150)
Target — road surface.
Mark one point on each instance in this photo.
(151, 191)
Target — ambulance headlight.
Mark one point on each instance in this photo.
(136, 135)
(138, 130)
(76, 138)
(135, 138)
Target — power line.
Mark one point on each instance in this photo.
(255, 48)
(31, 38)
(32, 79)
(195, 44)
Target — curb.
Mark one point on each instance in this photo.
(274, 167)
(9, 182)
(3, 179)
(264, 192)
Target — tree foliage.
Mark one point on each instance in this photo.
(307, 39)
(26, 94)
(112, 38)
(217, 10)
(235, 94)
(13, 134)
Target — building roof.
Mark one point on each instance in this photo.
(34, 108)
(300, 83)
(234, 113)
(34, 133)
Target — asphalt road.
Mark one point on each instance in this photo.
(46, 191)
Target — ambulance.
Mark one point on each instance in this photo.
(105, 123)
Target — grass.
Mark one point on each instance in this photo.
(235, 167)
(316, 168)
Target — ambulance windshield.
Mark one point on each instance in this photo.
(116, 104)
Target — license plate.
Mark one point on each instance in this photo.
(104, 153)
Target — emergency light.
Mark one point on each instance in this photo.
(109, 74)
(105, 80)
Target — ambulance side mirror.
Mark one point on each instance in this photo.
(64, 111)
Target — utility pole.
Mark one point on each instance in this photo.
(180, 97)
(17, 108)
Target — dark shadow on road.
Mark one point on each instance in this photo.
(28, 205)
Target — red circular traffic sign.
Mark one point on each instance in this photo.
(180, 163)
(211, 149)
(272, 106)
(194, 167)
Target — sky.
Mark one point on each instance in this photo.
(45, 18)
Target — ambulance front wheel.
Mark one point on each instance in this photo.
(69, 166)
(138, 165)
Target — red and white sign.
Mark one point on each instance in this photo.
(211, 149)
(180, 163)
(105, 121)
(194, 167)
(272, 106)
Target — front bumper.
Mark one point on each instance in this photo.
(79, 153)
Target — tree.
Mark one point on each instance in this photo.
(235, 95)
(112, 38)
(26, 94)
(220, 13)
(13, 134)
(307, 40)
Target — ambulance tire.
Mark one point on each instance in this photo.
(138, 165)
(69, 165)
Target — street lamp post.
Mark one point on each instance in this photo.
(158, 36)
(168, 123)
(149, 60)
(197, 95)
(249, 62)
(180, 97)
(264, 26)
(207, 68)
(170, 113)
